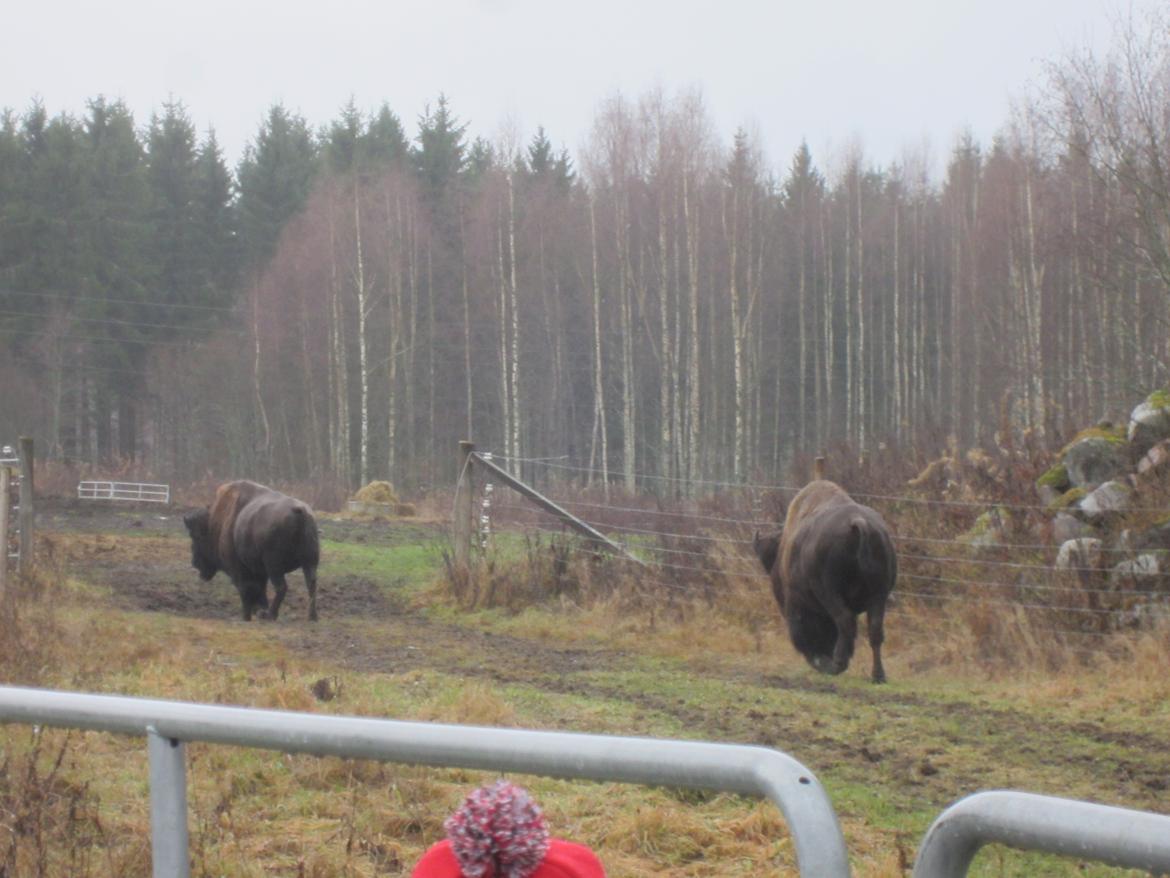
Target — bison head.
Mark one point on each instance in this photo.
(202, 551)
(814, 635)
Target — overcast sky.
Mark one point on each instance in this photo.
(890, 74)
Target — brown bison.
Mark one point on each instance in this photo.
(255, 534)
(832, 560)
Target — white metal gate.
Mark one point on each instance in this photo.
(141, 492)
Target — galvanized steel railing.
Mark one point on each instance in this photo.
(1117, 836)
(754, 771)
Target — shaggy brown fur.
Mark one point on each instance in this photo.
(832, 560)
(255, 534)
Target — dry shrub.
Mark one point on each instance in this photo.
(49, 824)
(979, 637)
(30, 634)
(549, 570)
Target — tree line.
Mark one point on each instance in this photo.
(351, 300)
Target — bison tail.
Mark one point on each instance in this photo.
(860, 528)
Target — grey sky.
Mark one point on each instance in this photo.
(891, 73)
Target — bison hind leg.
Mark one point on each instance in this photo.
(310, 572)
(254, 598)
(874, 622)
(280, 585)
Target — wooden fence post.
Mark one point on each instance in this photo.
(27, 509)
(4, 482)
(819, 468)
(462, 526)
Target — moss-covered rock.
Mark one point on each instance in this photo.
(1095, 457)
(1107, 502)
(1113, 434)
(1149, 423)
(1159, 398)
(1068, 500)
(1056, 476)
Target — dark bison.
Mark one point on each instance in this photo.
(832, 560)
(255, 534)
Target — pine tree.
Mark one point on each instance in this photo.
(440, 155)
(385, 141)
(274, 179)
(215, 221)
(170, 172)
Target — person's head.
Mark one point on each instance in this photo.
(499, 832)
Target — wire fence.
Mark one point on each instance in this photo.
(700, 546)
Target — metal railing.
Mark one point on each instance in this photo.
(753, 771)
(142, 492)
(1088, 831)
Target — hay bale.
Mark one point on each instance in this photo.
(377, 492)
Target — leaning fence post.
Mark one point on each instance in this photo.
(27, 512)
(169, 841)
(462, 526)
(4, 482)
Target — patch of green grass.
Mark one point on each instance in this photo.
(413, 565)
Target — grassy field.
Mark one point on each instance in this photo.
(118, 609)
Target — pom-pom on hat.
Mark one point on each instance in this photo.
(499, 832)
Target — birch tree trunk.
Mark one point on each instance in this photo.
(260, 407)
(505, 356)
(359, 282)
(629, 389)
(598, 384)
(514, 341)
(862, 368)
(668, 372)
(694, 370)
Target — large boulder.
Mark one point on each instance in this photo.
(1110, 500)
(1067, 527)
(1079, 553)
(1154, 460)
(1053, 484)
(1094, 458)
(1140, 572)
(1149, 423)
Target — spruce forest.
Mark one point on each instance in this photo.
(352, 299)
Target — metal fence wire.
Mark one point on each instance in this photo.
(685, 544)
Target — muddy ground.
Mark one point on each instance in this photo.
(907, 745)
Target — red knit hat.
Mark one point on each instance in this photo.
(498, 832)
